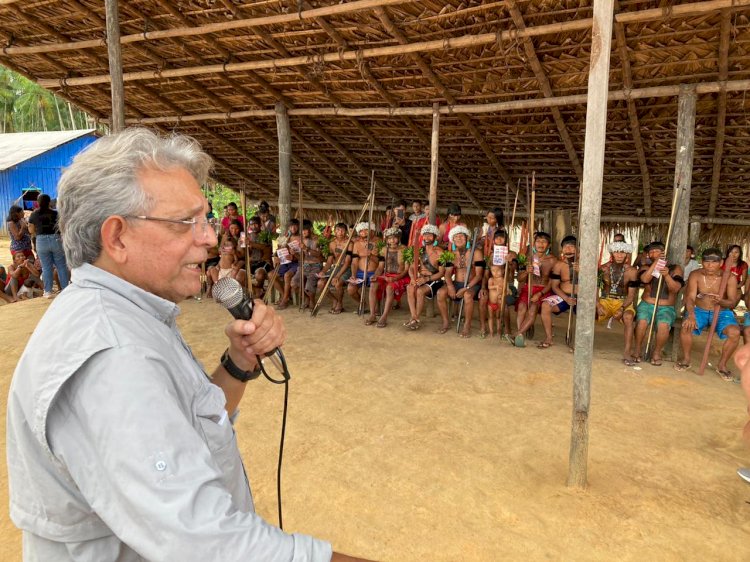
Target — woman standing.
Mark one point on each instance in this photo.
(20, 241)
(43, 224)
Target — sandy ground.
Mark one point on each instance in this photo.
(414, 446)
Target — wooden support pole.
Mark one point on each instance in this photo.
(694, 235)
(283, 131)
(683, 173)
(114, 54)
(434, 162)
(591, 201)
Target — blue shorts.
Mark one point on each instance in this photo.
(746, 323)
(360, 275)
(555, 300)
(291, 266)
(703, 319)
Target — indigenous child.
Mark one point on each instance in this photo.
(426, 275)
(267, 220)
(228, 266)
(701, 297)
(739, 269)
(312, 260)
(619, 287)
(364, 260)
(493, 222)
(21, 273)
(463, 278)
(339, 275)
(665, 314)
(564, 286)
(287, 255)
(499, 256)
(539, 266)
(391, 277)
(260, 249)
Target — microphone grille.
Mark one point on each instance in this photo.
(228, 292)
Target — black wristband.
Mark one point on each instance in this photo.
(236, 372)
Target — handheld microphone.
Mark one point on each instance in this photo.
(230, 294)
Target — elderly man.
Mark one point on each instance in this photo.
(120, 446)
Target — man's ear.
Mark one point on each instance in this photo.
(114, 239)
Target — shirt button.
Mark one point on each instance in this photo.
(160, 466)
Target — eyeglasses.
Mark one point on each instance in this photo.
(199, 234)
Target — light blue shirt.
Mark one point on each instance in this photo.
(119, 446)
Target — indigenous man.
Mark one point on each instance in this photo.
(463, 278)
(391, 277)
(287, 254)
(260, 249)
(340, 274)
(701, 296)
(619, 287)
(539, 267)
(564, 288)
(498, 256)
(267, 220)
(312, 259)
(426, 274)
(364, 260)
(665, 314)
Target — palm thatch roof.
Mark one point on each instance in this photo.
(359, 80)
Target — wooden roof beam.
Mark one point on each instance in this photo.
(641, 16)
(546, 87)
(635, 126)
(440, 87)
(721, 116)
(309, 122)
(364, 69)
(279, 47)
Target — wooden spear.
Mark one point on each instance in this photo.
(530, 256)
(314, 311)
(675, 204)
(361, 309)
(573, 277)
(302, 246)
(728, 265)
(507, 263)
(246, 238)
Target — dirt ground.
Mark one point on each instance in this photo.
(415, 446)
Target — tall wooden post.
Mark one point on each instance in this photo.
(694, 234)
(114, 54)
(434, 161)
(285, 167)
(561, 225)
(590, 211)
(683, 177)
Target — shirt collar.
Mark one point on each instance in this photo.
(88, 275)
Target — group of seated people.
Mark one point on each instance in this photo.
(448, 263)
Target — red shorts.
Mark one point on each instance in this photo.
(493, 306)
(524, 295)
(399, 287)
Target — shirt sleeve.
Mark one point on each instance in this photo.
(128, 443)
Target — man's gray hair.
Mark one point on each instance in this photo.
(102, 181)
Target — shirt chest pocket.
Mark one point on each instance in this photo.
(213, 420)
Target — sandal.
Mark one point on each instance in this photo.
(637, 359)
(725, 374)
(544, 345)
(381, 324)
(442, 330)
(680, 366)
(628, 362)
(464, 335)
(509, 339)
(656, 362)
(519, 341)
(370, 321)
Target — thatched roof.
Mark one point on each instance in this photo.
(215, 69)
